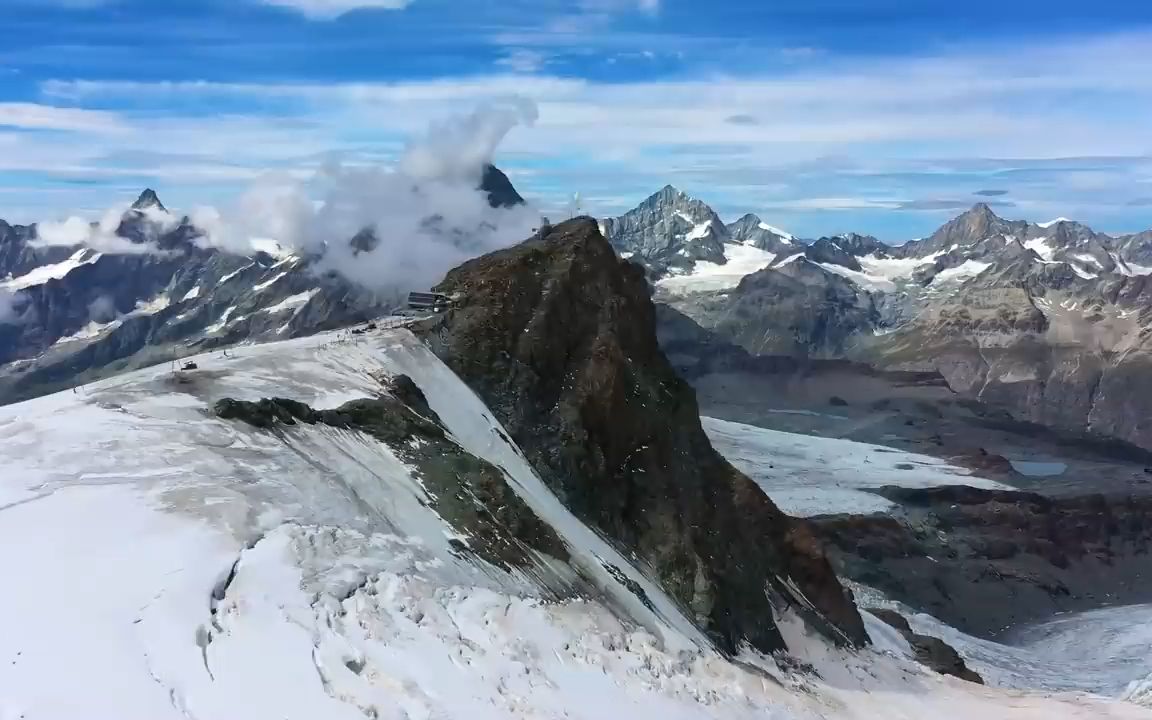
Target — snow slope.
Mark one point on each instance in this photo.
(56, 271)
(1104, 651)
(161, 563)
(964, 271)
(865, 280)
(807, 475)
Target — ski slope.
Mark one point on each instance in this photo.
(807, 475)
(161, 563)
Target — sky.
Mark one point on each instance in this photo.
(822, 116)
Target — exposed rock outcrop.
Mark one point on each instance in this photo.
(470, 493)
(933, 653)
(557, 336)
(501, 192)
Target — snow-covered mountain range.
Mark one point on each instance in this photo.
(1049, 319)
(507, 511)
(77, 304)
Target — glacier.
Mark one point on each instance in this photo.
(164, 563)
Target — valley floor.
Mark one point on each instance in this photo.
(163, 563)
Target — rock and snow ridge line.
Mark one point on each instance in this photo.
(300, 577)
(696, 275)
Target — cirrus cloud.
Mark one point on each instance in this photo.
(332, 9)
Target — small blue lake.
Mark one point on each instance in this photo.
(1034, 468)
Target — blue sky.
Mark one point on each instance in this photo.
(822, 116)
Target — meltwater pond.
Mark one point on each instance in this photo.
(1038, 468)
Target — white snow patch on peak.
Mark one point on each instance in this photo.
(191, 294)
(294, 302)
(785, 237)
(963, 271)
(865, 280)
(1088, 258)
(1041, 247)
(55, 271)
(222, 322)
(699, 231)
(790, 259)
(269, 283)
(90, 331)
(1050, 223)
(234, 273)
(743, 260)
(1081, 272)
(895, 268)
(153, 306)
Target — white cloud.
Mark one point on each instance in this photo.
(100, 236)
(426, 213)
(833, 203)
(331, 9)
(1081, 97)
(31, 116)
(523, 61)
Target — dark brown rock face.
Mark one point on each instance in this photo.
(557, 335)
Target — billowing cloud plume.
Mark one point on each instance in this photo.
(101, 236)
(102, 310)
(426, 215)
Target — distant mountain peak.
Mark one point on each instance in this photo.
(501, 192)
(148, 199)
(983, 211)
(1050, 223)
(670, 193)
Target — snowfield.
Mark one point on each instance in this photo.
(743, 260)
(57, 271)
(807, 475)
(161, 563)
(1104, 651)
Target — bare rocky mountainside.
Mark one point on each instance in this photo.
(1050, 321)
(1012, 350)
(557, 336)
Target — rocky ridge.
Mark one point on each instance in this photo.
(557, 336)
(1050, 320)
